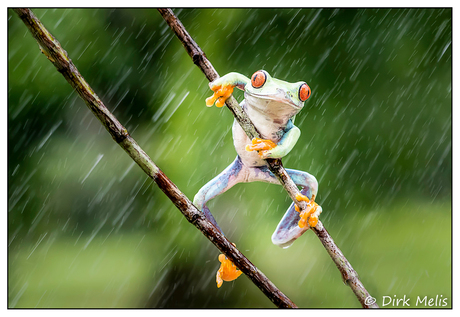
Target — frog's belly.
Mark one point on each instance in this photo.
(240, 140)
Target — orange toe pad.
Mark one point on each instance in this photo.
(260, 145)
(221, 94)
(306, 215)
(227, 271)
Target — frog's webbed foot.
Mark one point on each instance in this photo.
(310, 214)
(227, 271)
(221, 94)
(223, 88)
(262, 146)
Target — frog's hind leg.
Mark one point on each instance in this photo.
(232, 175)
(288, 229)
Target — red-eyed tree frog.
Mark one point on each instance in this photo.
(271, 104)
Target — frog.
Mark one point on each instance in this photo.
(271, 104)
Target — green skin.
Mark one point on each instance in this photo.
(272, 109)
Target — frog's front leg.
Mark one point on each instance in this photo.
(269, 149)
(223, 88)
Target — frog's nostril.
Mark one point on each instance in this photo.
(283, 92)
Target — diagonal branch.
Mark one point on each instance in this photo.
(349, 275)
(58, 56)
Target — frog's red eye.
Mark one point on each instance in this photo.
(304, 92)
(258, 79)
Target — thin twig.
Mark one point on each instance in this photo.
(349, 275)
(58, 56)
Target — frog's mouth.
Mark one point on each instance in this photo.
(280, 96)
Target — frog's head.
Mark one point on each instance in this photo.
(265, 87)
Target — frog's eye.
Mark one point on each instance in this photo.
(304, 92)
(258, 79)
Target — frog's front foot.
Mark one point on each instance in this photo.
(227, 271)
(262, 146)
(310, 214)
(221, 94)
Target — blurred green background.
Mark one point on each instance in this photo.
(87, 228)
